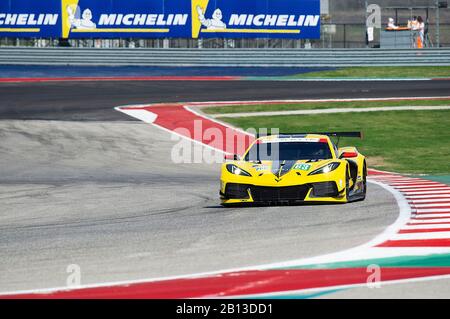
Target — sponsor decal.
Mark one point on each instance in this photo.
(302, 167)
(30, 18)
(282, 20)
(260, 168)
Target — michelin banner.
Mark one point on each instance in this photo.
(161, 18)
(30, 18)
(256, 19)
(126, 18)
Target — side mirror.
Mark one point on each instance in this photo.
(348, 155)
(233, 157)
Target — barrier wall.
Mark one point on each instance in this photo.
(224, 57)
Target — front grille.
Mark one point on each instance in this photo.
(278, 194)
(325, 189)
(237, 191)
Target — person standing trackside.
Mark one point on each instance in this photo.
(420, 28)
(413, 23)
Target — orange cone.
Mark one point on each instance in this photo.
(419, 43)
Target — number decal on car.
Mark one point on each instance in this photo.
(302, 167)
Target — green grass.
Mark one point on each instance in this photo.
(382, 72)
(318, 105)
(400, 141)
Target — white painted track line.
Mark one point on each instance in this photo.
(415, 183)
(447, 192)
(143, 115)
(416, 186)
(432, 220)
(432, 196)
(431, 201)
(431, 216)
(414, 236)
(426, 189)
(432, 210)
(435, 204)
(221, 103)
(420, 226)
(332, 111)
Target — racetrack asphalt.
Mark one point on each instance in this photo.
(91, 101)
(82, 184)
(106, 197)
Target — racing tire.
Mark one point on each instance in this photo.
(347, 186)
(363, 196)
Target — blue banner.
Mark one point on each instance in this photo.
(126, 18)
(30, 18)
(256, 19)
(161, 18)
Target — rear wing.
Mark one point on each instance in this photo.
(342, 134)
(334, 134)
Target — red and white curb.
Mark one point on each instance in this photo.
(429, 225)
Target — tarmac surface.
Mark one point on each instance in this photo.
(83, 184)
(94, 101)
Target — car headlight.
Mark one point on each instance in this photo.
(325, 169)
(233, 169)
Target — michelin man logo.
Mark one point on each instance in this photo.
(83, 22)
(215, 23)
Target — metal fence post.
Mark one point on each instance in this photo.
(366, 4)
(438, 31)
(345, 36)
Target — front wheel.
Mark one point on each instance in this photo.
(347, 186)
(364, 182)
(360, 196)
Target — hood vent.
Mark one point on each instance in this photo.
(280, 168)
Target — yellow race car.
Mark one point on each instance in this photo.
(295, 168)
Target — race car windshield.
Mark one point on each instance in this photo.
(288, 151)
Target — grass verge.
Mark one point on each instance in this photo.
(400, 141)
(382, 72)
(319, 105)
